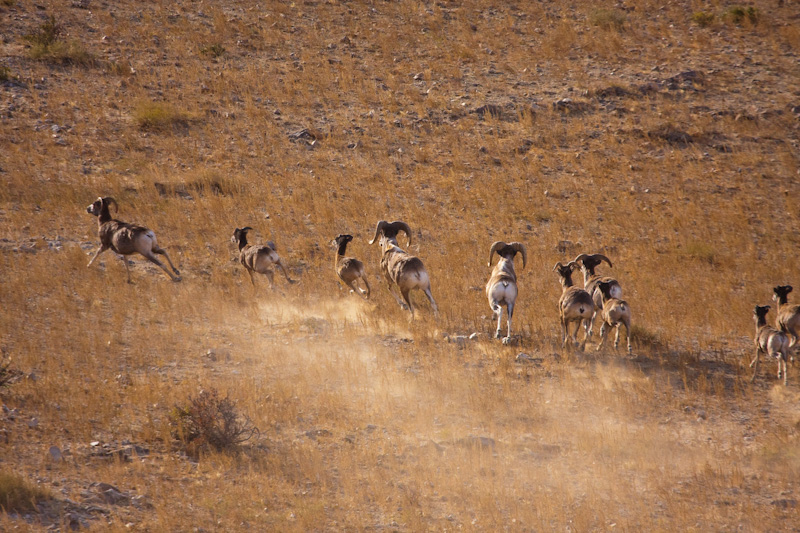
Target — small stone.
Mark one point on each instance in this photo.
(55, 453)
(33, 422)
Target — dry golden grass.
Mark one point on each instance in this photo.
(367, 420)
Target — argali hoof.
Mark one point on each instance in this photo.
(497, 334)
(507, 341)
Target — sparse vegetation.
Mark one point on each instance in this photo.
(18, 495)
(211, 421)
(5, 73)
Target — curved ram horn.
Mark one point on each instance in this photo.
(519, 247)
(604, 258)
(580, 258)
(495, 246)
(399, 225)
(379, 229)
(558, 266)
(109, 200)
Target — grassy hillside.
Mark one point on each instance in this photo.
(664, 136)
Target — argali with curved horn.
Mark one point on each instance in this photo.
(399, 267)
(348, 269)
(588, 262)
(501, 289)
(788, 318)
(258, 258)
(615, 313)
(575, 305)
(770, 341)
(126, 239)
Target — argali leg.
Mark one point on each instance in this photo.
(433, 302)
(285, 273)
(161, 251)
(563, 333)
(497, 312)
(603, 334)
(366, 293)
(581, 345)
(153, 259)
(250, 273)
(754, 365)
(99, 251)
(510, 313)
(127, 268)
(407, 298)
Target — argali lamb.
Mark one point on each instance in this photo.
(126, 239)
(768, 340)
(348, 269)
(401, 268)
(501, 288)
(788, 318)
(615, 312)
(588, 262)
(575, 305)
(258, 258)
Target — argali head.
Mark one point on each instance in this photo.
(389, 231)
(508, 250)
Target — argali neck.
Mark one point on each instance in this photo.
(105, 214)
(242, 240)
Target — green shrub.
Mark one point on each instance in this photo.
(19, 496)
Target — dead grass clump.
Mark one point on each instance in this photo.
(5, 73)
(212, 50)
(703, 18)
(19, 496)
(607, 19)
(7, 374)
(159, 116)
(47, 45)
(644, 338)
(739, 15)
(211, 421)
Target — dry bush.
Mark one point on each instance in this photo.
(211, 421)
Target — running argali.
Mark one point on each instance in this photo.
(770, 341)
(126, 239)
(575, 305)
(258, 258)
(401, 268)
(591, 280)
(502, 286)
(348, 269)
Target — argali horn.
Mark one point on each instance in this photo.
(391, 228)
(495, 246)
(108, 201)
(601, 257)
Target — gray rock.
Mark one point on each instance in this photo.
(55, 453)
